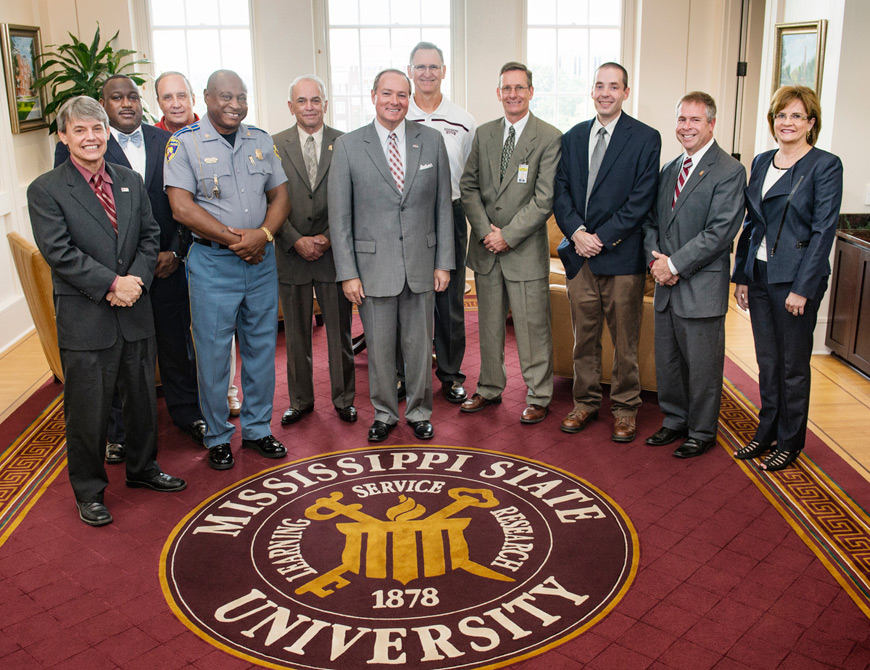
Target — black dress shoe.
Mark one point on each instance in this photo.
(347, 413)
(401, 391)
(220, 457)
(454, 392)
(423, 430)
(665, 436)
(292, 415)
(693, 447)
(161, 482)
(380, 430)
(116, 452)
(195, 430)
(93, 513)
(266, 446)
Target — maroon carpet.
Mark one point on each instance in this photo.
(723, 580)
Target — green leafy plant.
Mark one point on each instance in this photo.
(80, 69)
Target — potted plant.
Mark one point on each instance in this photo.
(80, 69)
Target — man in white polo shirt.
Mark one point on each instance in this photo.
(429, 106)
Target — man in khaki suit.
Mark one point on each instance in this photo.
(304, 256)
(507, 193)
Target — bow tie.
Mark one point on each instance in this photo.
(135, 138)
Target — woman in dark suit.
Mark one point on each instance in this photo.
(781, 269)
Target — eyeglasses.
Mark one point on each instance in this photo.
(423, 68)
(793, 117)
(519, 90)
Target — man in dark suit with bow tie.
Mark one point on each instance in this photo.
(605, 186)
(136, 145)
(92, 222)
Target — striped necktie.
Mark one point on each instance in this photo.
(681, 180)
(99, 185)
(396, 162)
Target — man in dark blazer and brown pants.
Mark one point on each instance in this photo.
(92, 222)
(688, 241)
(605, 186)
(304, 256)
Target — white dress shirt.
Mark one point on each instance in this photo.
(135, 155)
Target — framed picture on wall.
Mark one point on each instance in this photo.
(21, 49)
(800, 54)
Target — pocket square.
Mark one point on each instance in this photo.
(426, 167)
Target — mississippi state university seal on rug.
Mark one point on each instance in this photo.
(427, 557)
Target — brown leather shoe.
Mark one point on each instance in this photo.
(533, 414)
(577, 420)
(623, 429)
(477, 402)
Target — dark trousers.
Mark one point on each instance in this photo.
(783, 348)
(171, 308)
(90, 380)
(450, 308)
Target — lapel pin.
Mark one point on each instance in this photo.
(329, 148)
(415, 146)
(124, 189)
(701, 173)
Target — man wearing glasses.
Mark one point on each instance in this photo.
(507, 193)
(429, 107)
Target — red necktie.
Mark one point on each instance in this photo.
(681, 181)
(105, 201)
(396, 162)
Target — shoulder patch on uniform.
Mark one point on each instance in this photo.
(275, 149)
(171, 147)
(187, 129)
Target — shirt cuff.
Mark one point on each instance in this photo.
(114, 284)
(672, 268)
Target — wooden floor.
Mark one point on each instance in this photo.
(839, 403)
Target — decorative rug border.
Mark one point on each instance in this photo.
(834, 527)
(29, 465)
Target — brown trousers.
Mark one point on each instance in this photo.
(619, 299)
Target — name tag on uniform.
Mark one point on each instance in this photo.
(523, 173)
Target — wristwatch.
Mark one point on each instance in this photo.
(269, 236)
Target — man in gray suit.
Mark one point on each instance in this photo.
(687, 239)
(92, 221)
(304, 256)
(391, 223)
(507, 193)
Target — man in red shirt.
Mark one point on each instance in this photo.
(176, 100)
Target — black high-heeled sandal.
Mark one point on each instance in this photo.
(752, 450)
(779, 460)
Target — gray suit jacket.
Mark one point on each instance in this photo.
(520, 210)
(308, 213)
(697, 233)
(381, 235)
(85, 254)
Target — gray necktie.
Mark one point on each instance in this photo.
(310, 159)
(595, 163)
(508, 150)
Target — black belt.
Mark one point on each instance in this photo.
(208, 243)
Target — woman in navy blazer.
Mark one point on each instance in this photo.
(782, 268)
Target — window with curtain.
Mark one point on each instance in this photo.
(566, 42)
(197, 37)
(367, 36)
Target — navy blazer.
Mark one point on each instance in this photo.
(798, 246)
(623, 194)
(155, 149)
